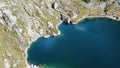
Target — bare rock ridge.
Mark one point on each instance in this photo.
(23, 21)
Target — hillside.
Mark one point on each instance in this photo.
(23, 21)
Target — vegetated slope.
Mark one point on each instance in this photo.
(23, 21)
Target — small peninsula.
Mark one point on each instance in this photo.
(24, 21)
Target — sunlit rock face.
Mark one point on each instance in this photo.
(23, 21)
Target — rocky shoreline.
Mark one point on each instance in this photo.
(24, 21)
(26, 55)
(86, 16)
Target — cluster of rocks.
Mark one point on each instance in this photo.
(28, 20)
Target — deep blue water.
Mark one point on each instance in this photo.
(92, 43)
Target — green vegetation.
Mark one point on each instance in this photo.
(32, 22)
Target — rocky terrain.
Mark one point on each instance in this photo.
(23, 21)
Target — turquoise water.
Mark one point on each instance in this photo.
(92, 43)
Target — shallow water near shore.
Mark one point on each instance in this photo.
(92, 43)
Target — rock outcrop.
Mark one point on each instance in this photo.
(23, 21)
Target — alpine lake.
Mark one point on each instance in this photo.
(91, 43)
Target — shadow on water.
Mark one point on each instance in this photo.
(92, 43)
